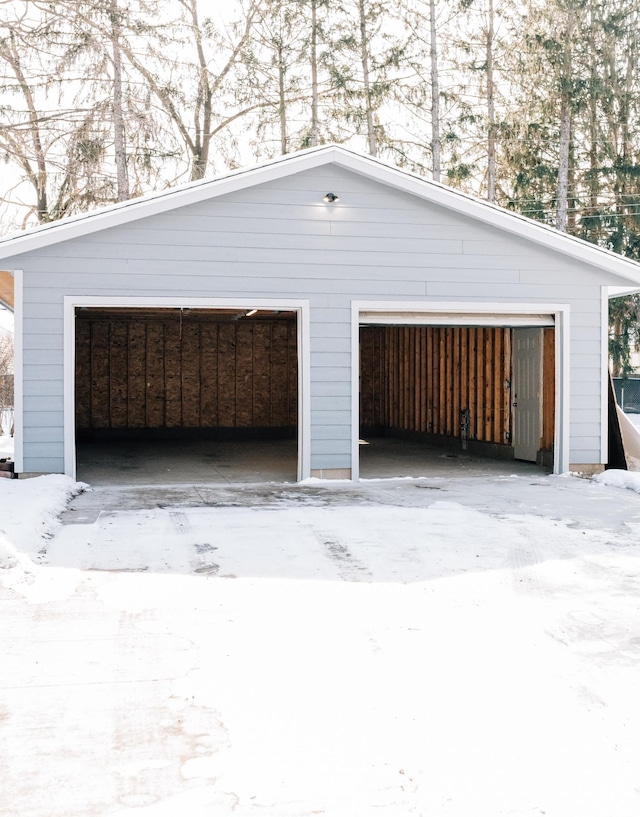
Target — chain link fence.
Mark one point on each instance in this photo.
(628, 394)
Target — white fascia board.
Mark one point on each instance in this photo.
(618, 292)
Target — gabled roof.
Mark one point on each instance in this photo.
(403, 180)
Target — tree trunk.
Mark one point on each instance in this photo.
(435, 94)
(563, 163)
(203, 107)
(282, 104)
(119, 137)
(315, 127)
(564, 148)
(593, 116)
(364, 56)
(491, 110)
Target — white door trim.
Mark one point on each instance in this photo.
(431, 313)
(18, 371)
(604, 383)
(71, 302)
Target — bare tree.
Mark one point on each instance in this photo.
(6, 375)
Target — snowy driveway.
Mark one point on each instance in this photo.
(460, 648)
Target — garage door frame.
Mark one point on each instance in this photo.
(301, 307)
(439, 313)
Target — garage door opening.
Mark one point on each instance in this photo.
(436, 397)
(186, 394)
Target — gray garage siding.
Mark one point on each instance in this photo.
(278, 240)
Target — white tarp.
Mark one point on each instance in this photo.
(630, 440)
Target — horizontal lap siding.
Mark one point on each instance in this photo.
(279, 240)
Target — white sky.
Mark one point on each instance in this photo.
(6, 319)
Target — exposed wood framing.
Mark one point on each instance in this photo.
(548, 389)
(147, 370)
(420, 378)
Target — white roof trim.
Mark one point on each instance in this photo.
(194, 192)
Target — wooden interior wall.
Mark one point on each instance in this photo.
(548, 388)
(419, 378)
(154, 372)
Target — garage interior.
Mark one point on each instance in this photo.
(186, 395)
(431, 394)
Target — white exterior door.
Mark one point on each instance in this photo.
(526, 393)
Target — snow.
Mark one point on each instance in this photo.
(620, 479)
(6, 446)
(29, 511)
(467, 648)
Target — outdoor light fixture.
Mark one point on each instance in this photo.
(330, 198)
(250, 313)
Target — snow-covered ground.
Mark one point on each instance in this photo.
(6, 446)
(423, 657)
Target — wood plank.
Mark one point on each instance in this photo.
(406, 362)
(226, 375)
(422, 378)
(442, 380)
(191, 375)
(136, 365)
(456, 381)
(83, 375)
(472, 380)
(548, 389)
(429, 378)
(292, 331)
(392, 335)
(367, 375)
(488, 383)
(100, 376)
(279, 376)
(208, 375)
(155, 399)
(244, 375)
(464, 369)
(498, 385)
(506, 397)
(480, 352)
(173, 332)
(387, 376)
(262, 375)
(118, 386)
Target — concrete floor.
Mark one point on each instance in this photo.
(210, 462)
(207, 474)
(386, 458)
(187, 462)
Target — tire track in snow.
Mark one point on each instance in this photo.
(203, 562)
(524, 560)
(349, 567)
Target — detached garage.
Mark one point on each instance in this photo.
(313, 302)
